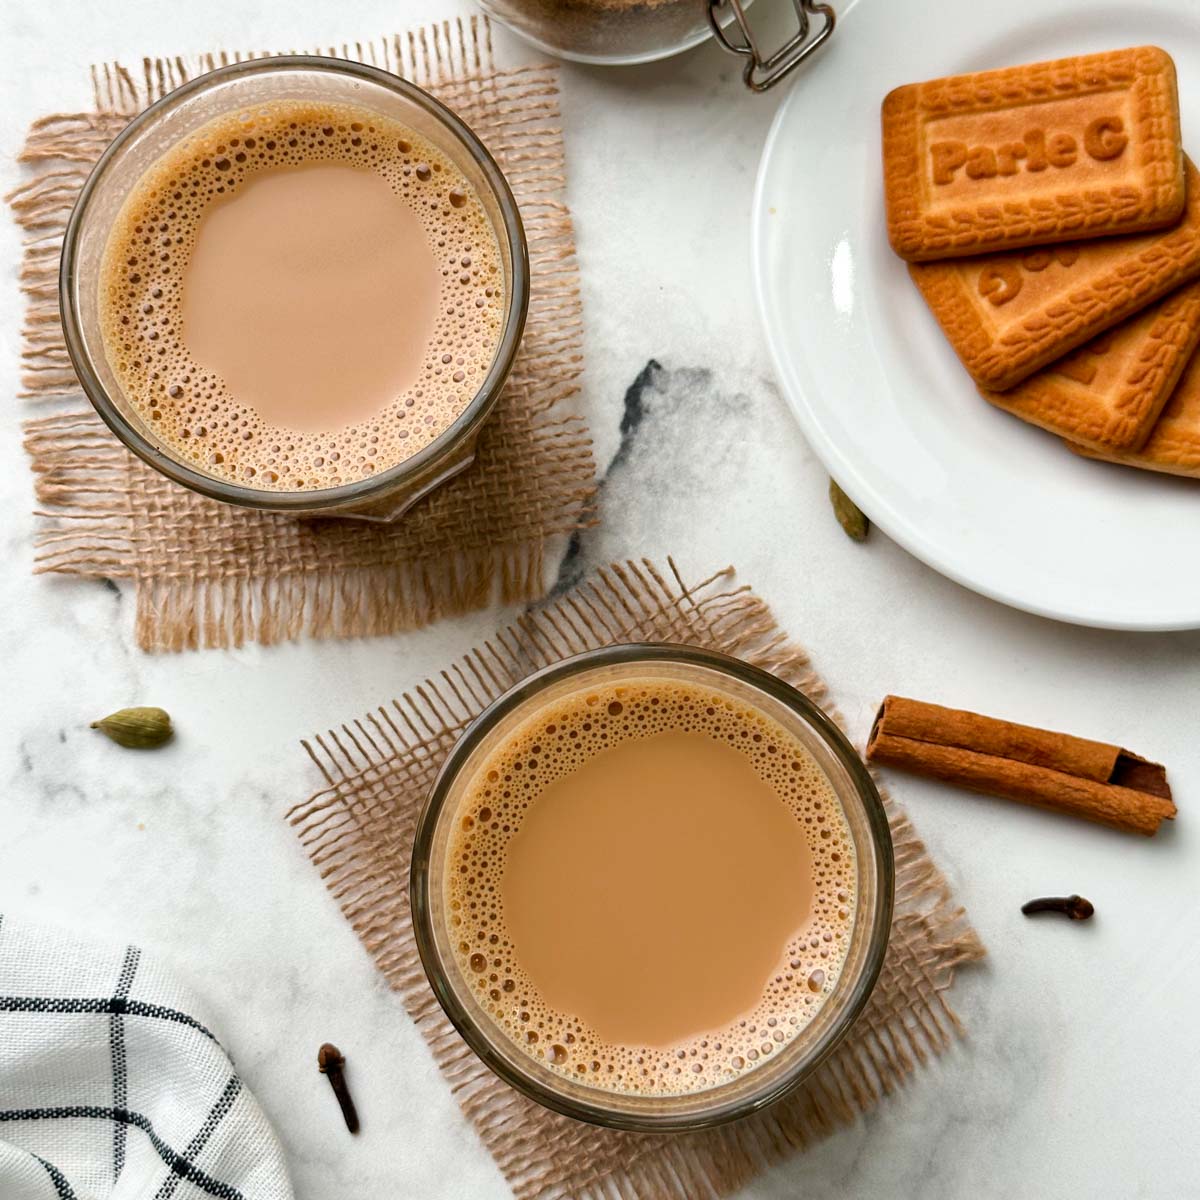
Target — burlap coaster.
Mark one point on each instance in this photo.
(358, 831)
(210, 575)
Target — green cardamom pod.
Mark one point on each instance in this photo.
(850, 517)
(137, 728)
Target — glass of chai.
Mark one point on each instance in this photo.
(652, 887)
(296, 284)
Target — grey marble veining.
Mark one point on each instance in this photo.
(1078, 1076)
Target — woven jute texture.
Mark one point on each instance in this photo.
(358, 830)
(210, 575)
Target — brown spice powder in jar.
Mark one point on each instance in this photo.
(605, 30)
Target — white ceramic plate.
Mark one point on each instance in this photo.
(995, 504)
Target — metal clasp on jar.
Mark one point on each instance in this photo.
(763, 71)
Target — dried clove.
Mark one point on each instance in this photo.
(331, 1062)
(1075, 907)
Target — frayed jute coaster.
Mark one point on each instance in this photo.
(210, 575)
(358, 831)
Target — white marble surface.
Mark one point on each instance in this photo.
(1081, 1073)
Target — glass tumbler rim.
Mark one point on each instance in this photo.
(359, 492)
(597, 1112)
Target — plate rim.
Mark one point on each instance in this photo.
(850, 479)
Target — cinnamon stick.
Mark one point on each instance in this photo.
(1087, 779)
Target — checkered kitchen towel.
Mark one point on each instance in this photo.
(112, 1086)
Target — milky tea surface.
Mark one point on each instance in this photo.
(301, 295)
(651, 887)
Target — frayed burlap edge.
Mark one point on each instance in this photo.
(81, 475)
(358, 832)
(87, 486)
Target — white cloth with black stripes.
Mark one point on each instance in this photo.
(112, 1085)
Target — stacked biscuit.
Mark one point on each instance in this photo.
(1052, 223)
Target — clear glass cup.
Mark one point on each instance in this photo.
(869, 935)
(385, 496)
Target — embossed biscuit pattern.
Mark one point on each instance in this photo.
(1112, 398)
(1174, 443)
(1063, 212)
(1155, 266)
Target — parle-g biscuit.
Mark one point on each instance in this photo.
(1109, 393)
(1008, 315)
(1174, 442)
(1027, 156)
